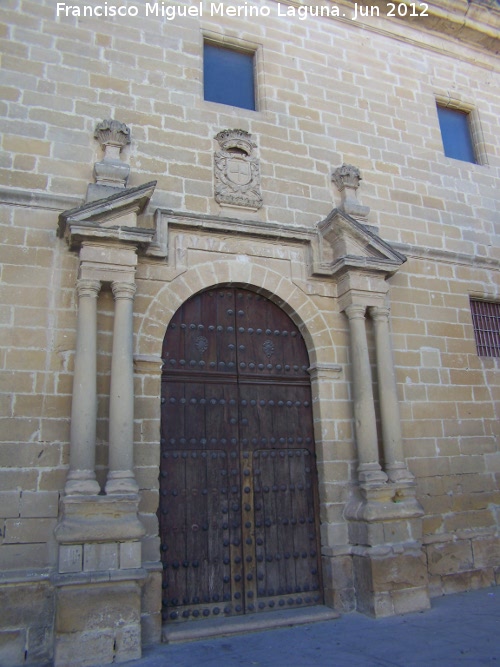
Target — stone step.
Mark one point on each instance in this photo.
(223, 627)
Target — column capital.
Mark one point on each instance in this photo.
(88, 287)
(123, 290)
(355, 311)
(379, 313)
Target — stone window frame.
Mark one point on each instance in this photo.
(475, 127)
(243, 46)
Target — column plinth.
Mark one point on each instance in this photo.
(369, 470)
(81, 477)
(121, 409)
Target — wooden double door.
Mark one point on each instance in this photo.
(238, 506)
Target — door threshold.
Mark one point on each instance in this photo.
(223, 627)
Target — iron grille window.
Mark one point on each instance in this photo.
(228, 76)
(486, 321)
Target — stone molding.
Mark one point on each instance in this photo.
(336, 244)
(323, 371)
(99, 518)
(476, 22)
(158, 246)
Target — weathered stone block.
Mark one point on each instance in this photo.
(130, 555)
(9, 504)
(40, 643)
(128, 643)
(338, 571)
(151, 625)
(410, 600)
(70, 558)
(84, 649)
(23, 605)
(98, 557)
(22, 531)
(486, 552)
(466, 581)
(398, 572)
(450, 558)
(40, 504)
(397, 531)
(12, 647)
(151, 593)
(19, 556)
(377, 579)
(88, 608)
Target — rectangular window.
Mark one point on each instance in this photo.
(228, 76)
(486, 321)
(456, 133)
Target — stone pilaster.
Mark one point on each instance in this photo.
(121, 412)
(81, 477)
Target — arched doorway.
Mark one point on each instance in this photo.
(238, 506)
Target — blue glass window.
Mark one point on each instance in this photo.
(228, 76)
(455, 132)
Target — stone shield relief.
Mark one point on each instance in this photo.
(237, 171)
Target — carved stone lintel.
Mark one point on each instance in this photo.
(237, 171)
(347, 178)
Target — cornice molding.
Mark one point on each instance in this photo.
(475, 23)
(336, 244)
(43, 200)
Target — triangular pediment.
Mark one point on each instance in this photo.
(346, 242)
(112, 218)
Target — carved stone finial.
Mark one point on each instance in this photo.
(111, 174)
(347, 178)
(236, 139)
(112, 133)
(237, 171)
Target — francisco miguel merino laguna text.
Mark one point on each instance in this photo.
(170, 12)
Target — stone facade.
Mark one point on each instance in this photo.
(359, 228)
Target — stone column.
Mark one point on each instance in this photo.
(395, 464)
(121, 409)
(369, 470)
(81, 477)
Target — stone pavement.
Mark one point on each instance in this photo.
(460, 629)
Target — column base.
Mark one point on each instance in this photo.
(384, 501)
(398, 472)
(99, 519)
(98, 585)
(385, 534)
(121, 481)
(81, 482)
(371, 474)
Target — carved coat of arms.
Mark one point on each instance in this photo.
(237, 172)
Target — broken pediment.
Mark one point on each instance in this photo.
(346, 243)
(112, 218)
